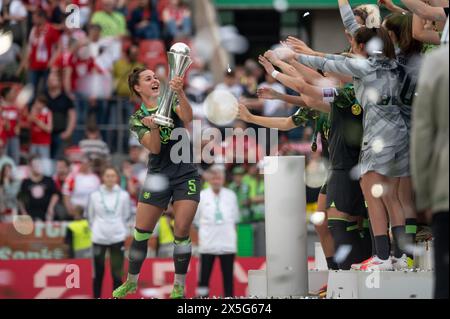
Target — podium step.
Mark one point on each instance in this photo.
(380, 285)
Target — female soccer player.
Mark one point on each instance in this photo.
(408, 52)
(384, 155)
(183, 180)
(344, 200)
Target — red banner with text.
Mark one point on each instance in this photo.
(73, 278)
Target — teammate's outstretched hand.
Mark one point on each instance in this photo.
(267, 93)
(244, 114)
(266, 64)
(177, 85)
(271, 56)
(299, 46)
(149, 121)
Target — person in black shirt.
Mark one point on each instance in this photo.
(64, 115)
(38, 194)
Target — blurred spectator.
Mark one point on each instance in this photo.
(177, 20)
(93, 146)
(164, 236)
(108, 212)
(256, 184)
(56, 13)
(5, 159)
(62, 171)
(130, 183)
(216, 218)
(255, 69)
(13, 16)
(78, 236)
(38, 194)
(81, 64)
(9, 188)
(430, 155)
(9, 63)
(135, 157)
(104, 50)
(242, 191)
(242, 145)
(41, 44)
(144, 21)
(63, 114)
(69, 40)
(122, 68)
(230, 83)
(113, 23)
(85, 11)
(41, 120)
(10, 113)
(79, 185)
(274, 107)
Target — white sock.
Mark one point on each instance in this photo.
(133, 278)
(180, 280)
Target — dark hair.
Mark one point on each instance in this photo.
(41, 13)
(364, 35)
(133, 79)
(361, 13)
(95, 26)
(230, 73)
(3, 173)
(65, 160)
(42, 98)
(110, 167)
(92, 128)
(5, 91)
(401, 26)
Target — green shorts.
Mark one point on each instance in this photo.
(186, 187)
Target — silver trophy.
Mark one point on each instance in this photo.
(179, 62)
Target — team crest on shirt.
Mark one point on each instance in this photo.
(356, 109)
(165, 133)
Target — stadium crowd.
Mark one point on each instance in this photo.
(54, 150)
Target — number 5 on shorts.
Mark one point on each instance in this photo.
(192, 187)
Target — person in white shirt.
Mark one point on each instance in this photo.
(108, 211)
(79, 185)
(230, 83)
(216, 219)
(274, 107)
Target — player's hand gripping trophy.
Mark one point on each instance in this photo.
(179, 62)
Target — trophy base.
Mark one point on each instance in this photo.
(163, 121)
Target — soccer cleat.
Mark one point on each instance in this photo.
(177, 292)
(358, 266)
(423, 233)
(125, 289)
(376, 263)
(402, 263)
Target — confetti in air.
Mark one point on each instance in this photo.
(281, 5)
(306, 14)
(378, 145)
(317, 218)
(342, 253)
(377, 190)
(6, 40)
(229, 69)
(23, 224)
